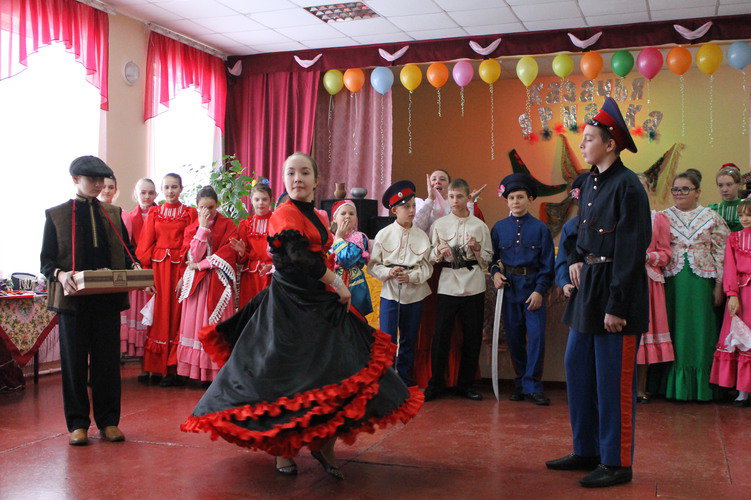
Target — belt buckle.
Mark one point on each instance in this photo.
(524, 271)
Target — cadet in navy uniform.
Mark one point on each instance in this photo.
(609, 309)
(81, 234)
(523, 256)
(562, 276)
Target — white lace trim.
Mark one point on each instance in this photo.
(701, 222)
(188, 277)
(226, 274)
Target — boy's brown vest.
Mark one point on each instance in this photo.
(61, 217)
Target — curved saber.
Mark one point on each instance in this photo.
(494, 353)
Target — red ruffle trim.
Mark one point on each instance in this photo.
(287, 439)
(214, 345)
(155, 347)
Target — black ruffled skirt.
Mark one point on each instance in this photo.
(298, 370)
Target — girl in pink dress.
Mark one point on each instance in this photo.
(132, 329)
(655, 345)
(208, 284)
(732, 364)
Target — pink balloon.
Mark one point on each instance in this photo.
(463, 73)
(649, 62)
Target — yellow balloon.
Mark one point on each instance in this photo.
(526, 70)
(410, 76)
(709, 58)
(489, 71)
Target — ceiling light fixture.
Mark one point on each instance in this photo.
(340, 12)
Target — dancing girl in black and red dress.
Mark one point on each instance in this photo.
(300, 367)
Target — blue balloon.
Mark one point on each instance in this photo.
(381, 79)
(739, 55)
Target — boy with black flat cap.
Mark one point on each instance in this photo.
(523, 255)
(79, 235)
(400, 260)
(609, 309)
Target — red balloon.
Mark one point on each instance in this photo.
(649, 62)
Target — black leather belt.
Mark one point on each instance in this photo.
(466, 264)
(596, 259)
(399, 265)
(520, 271)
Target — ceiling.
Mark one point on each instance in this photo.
(241, 27)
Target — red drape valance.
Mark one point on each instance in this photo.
(513, 44)
(172, 66)
(271, 117)
(27, 25)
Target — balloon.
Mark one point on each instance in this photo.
(333, 81)
(649, 62)
(438, 74)
(709, 58)
(678, 60)
(526, 70)
(739, 55)
(381, 79)
(411, 76)
(591, 65)
(354, 79)
(563, 65)
(489, 71)
(463, 73)
(622, 63)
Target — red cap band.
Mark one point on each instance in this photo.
(608, 123)
(400, 196)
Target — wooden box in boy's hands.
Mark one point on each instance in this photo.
(109, 281)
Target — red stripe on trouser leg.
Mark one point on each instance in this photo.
(628, 364)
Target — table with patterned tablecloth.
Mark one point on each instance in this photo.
(24, 325)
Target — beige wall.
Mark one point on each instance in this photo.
(125, 139)
(462, 144)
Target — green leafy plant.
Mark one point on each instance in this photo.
(231, 185)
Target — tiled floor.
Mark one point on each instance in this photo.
(454, 449)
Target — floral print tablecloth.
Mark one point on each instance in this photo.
(24, 324)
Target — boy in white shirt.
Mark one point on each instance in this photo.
(461, 246)
(400, 259)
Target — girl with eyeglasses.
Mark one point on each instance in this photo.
(693, 287)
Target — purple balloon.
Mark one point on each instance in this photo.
(463, 73)
(649, 62)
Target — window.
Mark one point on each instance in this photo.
(184, 136)
(50, 115)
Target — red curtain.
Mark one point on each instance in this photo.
(270, 117)
(27, 25)
(172, 66)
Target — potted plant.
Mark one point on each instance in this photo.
(232, 186)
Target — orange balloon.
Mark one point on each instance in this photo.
(678, 60)
(354, 79)
(438, 74)
(591, 65)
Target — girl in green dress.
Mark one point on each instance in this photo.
(693, 287)
(729, 185)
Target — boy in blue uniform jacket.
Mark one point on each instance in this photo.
(609, 309)
(562, 277)
(523, 256)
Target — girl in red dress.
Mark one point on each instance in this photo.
(132, 329)
(251, 245)
(208, 285)
(300, 367)
(160, 247)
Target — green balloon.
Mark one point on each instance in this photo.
(333, 81)
(563, 65)
(622, 63)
